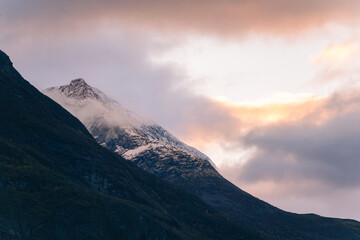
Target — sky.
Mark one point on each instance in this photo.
(268, 89)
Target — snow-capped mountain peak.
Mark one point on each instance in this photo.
(79, 89)
(118, 128)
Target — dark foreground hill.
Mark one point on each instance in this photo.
(56, 182)
(155, 150)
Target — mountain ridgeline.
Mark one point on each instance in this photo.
(155, 150)
(57, 182)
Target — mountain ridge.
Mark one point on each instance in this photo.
(194, 174)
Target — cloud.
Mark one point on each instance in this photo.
(226, 17)
(339, 63)
(302, 151)
(336, 53)
(310, 159)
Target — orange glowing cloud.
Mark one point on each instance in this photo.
(336, 53)
(339, 62)
(238, 120)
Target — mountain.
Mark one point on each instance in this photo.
(57, 182)
(80, 95)
(157, 151)
(127, 134)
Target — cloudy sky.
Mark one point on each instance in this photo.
(269, 89)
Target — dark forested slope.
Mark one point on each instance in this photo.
(56, 182)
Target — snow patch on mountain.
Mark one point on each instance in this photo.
(130, 154)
